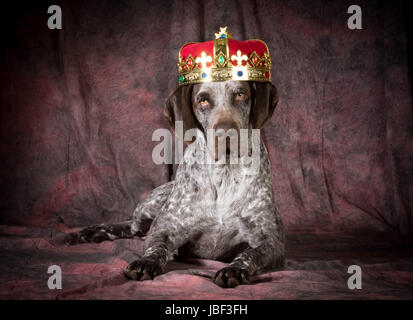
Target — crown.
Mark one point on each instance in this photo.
(224, 59)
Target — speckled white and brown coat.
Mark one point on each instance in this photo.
(213, 211)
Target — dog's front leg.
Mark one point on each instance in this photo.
(244, 266)
(166, 235)
(151, 264)
(266, 249)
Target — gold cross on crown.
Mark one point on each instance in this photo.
(223, 33)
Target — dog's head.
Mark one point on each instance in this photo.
(225, 107)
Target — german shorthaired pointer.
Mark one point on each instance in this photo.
(211, 211)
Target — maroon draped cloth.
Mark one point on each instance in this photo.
(79, 106)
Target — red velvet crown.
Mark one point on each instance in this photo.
(224, 59)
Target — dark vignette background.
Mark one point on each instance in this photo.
(79, 105)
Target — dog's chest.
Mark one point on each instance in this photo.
(222, 195)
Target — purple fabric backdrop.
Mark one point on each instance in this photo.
(79, 106)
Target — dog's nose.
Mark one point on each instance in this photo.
(225, 127)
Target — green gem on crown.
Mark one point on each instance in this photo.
(181, 78)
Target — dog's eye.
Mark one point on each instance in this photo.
(240, 96)
(203, 102)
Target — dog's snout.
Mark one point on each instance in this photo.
(226, 127)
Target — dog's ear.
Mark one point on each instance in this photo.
(264, 101)
(179, 108)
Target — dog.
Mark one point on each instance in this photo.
(210, 211)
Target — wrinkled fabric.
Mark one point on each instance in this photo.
(79, 107)
(316, 268)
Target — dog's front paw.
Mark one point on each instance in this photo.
(143, 269)
(231, 277)
(94, 234)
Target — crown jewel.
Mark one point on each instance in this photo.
(224, 59)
